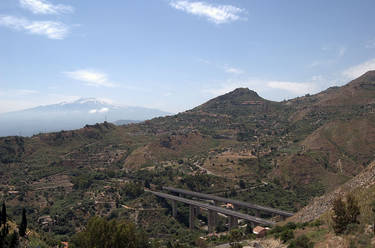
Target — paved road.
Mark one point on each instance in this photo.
(234, 202)
(215, 208)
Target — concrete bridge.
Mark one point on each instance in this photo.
(195, 206)
(236, 203)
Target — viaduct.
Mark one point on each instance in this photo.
(213, 210)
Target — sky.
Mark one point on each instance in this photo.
(176, 54)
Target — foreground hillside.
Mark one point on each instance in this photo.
(316, 221)
(285, 152)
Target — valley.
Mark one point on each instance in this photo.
(238, 145)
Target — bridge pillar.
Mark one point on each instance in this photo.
(235, 222)
(257, 213)
(230, 223)
(216, 216)
(174, 208)
(191, 216)
(211, 221)
(197, 211)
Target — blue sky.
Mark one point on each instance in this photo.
(176, 54)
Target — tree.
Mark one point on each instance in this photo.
(352, 209)
(4, 231)
(110, 234)
(23, 226)
(147, 184)
(249, 229)
(287, 235)
(4, 214)
(344, 214)
(339, 217)
(235, 235)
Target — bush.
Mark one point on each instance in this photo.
(287, 235)
(235, 235)
(107, 234)
(291, 225)
(132, 190)
(236, 245)
(301, 242)
(344, 214)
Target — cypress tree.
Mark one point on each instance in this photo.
(23, 225)
(4, 214)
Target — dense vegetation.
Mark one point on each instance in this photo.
(100, 233)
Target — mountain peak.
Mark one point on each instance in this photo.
(243, 92)
(234, 101)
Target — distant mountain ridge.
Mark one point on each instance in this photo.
(70, 115)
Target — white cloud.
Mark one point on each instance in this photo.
(91, 78)
(293, 87)
(51, 29)
(233, 70)
(214, 13)
(45, 7)
(359, 70)
(102, 110)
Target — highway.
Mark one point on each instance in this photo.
(226, 200)
(214, 208)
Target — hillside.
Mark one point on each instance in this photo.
(320, 205)
(285, 152)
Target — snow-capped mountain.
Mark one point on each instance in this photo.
(70, 115)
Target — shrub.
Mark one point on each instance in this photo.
(107, 234)
(344, 214)
(132, 190)
(301, 242)
(287, 235)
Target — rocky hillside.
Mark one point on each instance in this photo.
(322, 204)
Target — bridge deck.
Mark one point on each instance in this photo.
(234, 202)
(214, 208)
